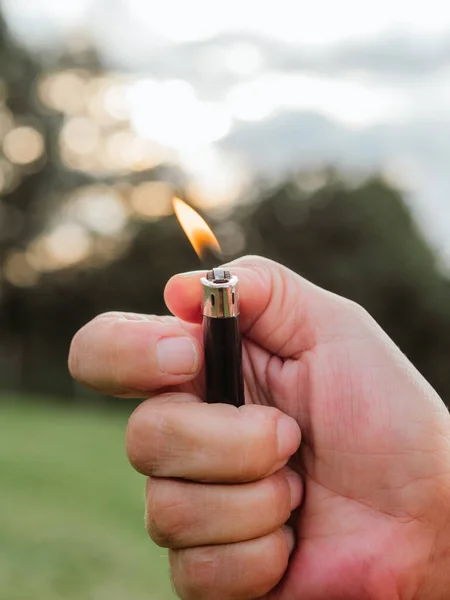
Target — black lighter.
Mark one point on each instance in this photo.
(222, 338)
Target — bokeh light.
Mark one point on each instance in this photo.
(116, 101)
(19, 271)
(67, 244)
(127, 151)
(23, 145)
(100, 209)
(98, 90)
(214, 180)
(65, 91)
(80, 135)
(152, 200)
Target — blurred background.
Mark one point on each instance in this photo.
(319, 137)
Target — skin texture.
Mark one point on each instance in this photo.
(367, 479)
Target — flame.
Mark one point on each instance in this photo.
(195, 227)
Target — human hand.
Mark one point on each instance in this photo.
(374, 457)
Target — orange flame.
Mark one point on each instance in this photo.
(195, 227)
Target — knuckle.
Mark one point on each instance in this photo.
(167, 519)
(361, 319)
(196, 571)
(201, 573)
(149, 438)
(346, 317)
(133, 440)
(349, 308)
(83, 343)
(115, 352)
(356, 309)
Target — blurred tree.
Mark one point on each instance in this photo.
(23, 177)
(361, 241)
(23, 171)
(35, 185)
(356, 239)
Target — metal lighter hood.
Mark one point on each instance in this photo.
(220, 294)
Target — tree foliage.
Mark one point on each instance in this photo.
(357, 239)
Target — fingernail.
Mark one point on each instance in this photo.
(290, 538)
(177, 356)
(288, 436)
(295, 487)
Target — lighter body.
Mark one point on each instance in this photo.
(222, 339)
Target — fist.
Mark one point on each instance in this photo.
(219, 492)
(358, 510)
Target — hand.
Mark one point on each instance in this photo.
(374, 458)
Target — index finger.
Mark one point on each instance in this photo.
(125, 354)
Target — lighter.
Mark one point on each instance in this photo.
(221, 333)
(222, 338)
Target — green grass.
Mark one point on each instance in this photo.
(71, 509)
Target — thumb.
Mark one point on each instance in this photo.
(280, 311)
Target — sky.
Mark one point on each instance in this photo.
(245, 86)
